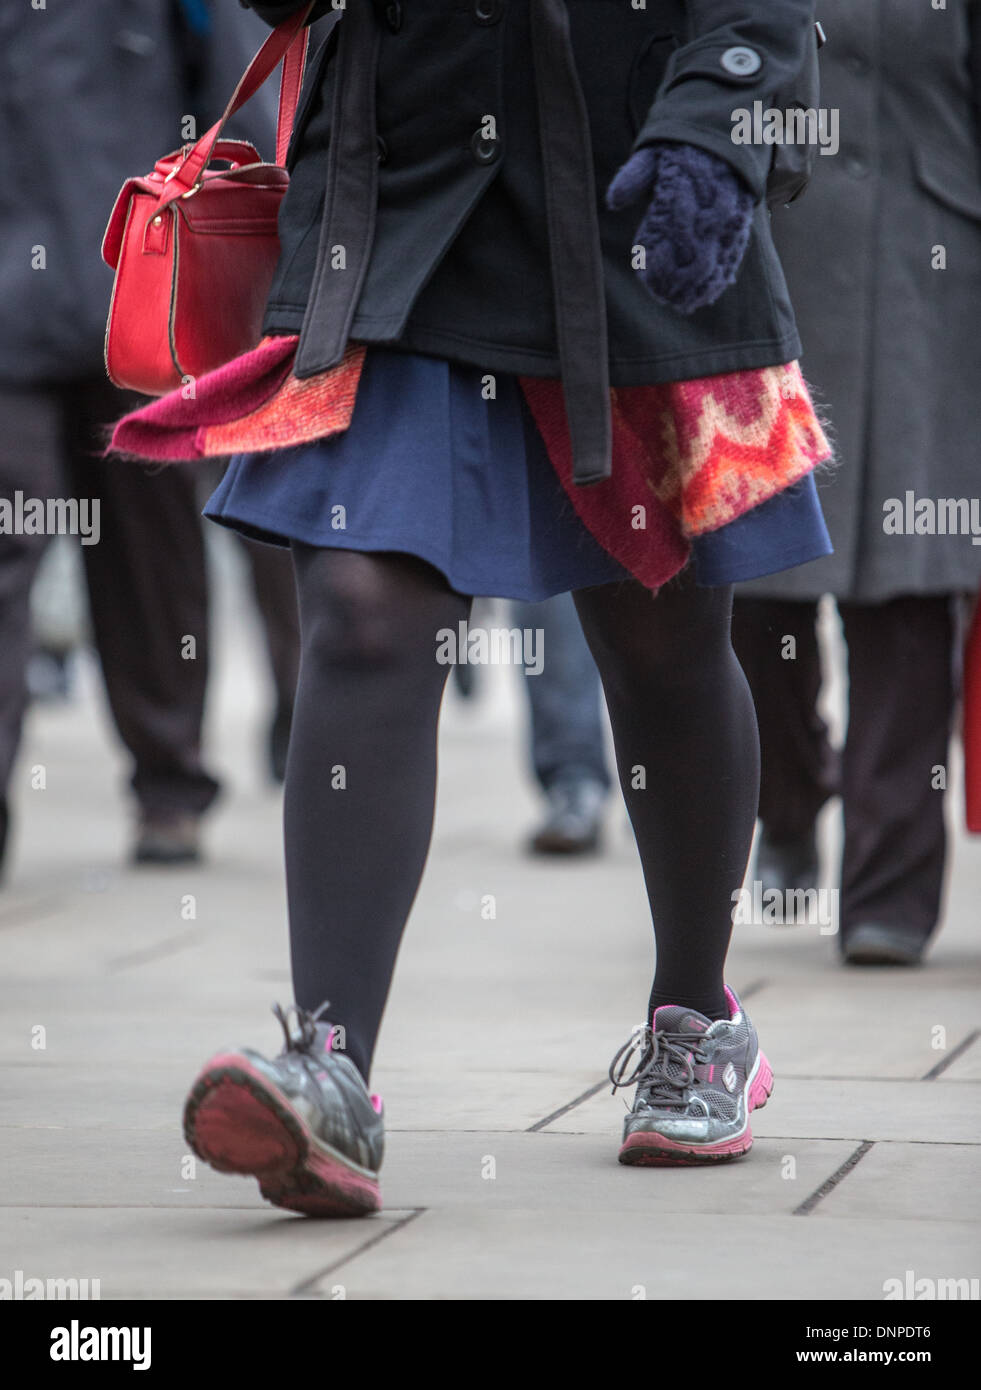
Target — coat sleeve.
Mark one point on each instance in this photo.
(740, 51)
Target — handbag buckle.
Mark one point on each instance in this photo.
(185, 151)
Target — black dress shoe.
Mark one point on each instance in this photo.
(168, 839)
(574, 819)
(872, 943)
(787, 864)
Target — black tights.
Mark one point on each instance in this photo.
(361, 777)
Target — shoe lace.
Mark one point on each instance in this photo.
(665, 1066)
(304, 1036)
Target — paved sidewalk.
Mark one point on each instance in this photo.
(501, 1178)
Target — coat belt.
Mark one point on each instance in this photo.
(570, 200)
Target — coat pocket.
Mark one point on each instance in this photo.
(954, 182)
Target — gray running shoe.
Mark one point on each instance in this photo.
(697, 1082)
(304, 1123)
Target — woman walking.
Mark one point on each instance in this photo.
(500, 384)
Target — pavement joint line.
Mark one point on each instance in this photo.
(307, 1286)
(564, 1109)
(802, 1076)
(819, 1193)
(952, 1057)
(850, 1139)
(34, 911)
(169, 947)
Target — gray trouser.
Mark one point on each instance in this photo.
(566, 741)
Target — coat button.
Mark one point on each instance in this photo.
(393, 16)
(487, 11)
(133, 42)
(485, 151)
(741, 62)
(858, 168)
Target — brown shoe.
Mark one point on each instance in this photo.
(168, 838)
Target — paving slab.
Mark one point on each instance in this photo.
(807, 1028)
(936, 1182)
(151, 1253)
(817, 1109)
(490, 1171)
(100, 1095)
(48, 1167)
(533, 1254)
(114, 1168)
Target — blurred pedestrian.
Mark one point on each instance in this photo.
(566, 737)
(884, 266)
(90, 94)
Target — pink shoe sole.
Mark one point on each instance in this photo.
(236, 1122)
(657, 1151)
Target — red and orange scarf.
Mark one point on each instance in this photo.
(688, 456)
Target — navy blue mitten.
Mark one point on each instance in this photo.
(697, 224)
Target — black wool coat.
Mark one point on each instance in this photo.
(458, 252)
(883, 259)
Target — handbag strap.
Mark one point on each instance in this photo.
(287, 43)
(290, 82)
(236, 152)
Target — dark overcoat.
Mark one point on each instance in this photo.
(91, 95)
(883, 258)
(456, 254)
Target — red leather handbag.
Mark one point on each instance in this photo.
(194, 248)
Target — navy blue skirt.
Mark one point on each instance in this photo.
(430, 467)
